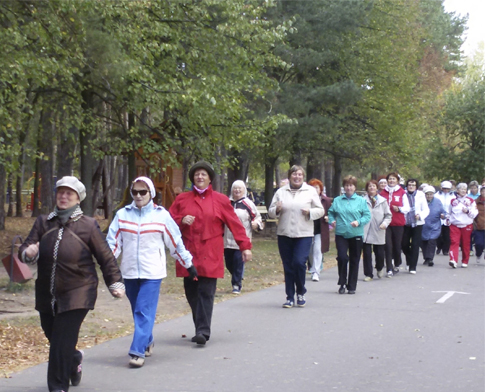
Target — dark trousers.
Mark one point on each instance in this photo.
(348, 252)
(393, 246)
(429, 248)
(411, 240)
(235, 265)
(479, 242)
(200, 296)
(379, 253)
(62, 331)
(443, 243)
(294, 254)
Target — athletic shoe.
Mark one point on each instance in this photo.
(479, 258)
(77, 373)
(407, 268)
(341, 290)
(351, 292)
(149, 349)
(395, 270)
(438, 251)
(300, 300)
(136, 361)
(236, 290)
(471, 253)
(315, 277)
(452, 264)
(412, 272)
(389, 274)
(288, 304)
(380, 273)
(430, 264)
(367, 279)
(464, 265)
(446, 253)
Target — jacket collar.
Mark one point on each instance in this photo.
(76, 215)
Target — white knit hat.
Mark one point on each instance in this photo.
(147, 181)
(74, 184)
(429, 188)
(446, 184)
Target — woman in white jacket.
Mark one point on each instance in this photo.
(140, 230)
(250, 217)
(296, 205)
(419, 210)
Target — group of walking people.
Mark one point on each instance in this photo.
(202, 228)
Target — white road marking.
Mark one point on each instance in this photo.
(448, 294)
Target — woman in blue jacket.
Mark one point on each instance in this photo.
(348, 215)
(432, 226)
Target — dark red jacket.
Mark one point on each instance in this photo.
(204, 238)
(398, 219)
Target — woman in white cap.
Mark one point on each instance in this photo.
(201, 216)
(142, 230)
(250, 217)
(432, 225)
(63, 243)
(445, 196)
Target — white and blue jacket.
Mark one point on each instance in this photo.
(141, 235)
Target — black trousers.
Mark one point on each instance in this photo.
(429, 248)
(62, 331)
(411, 240)
(379, 253)
(443, 243)
(393, 246)
(200, 296)
(348, 252)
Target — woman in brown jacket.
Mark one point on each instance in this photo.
(480, 225)
(64, 243)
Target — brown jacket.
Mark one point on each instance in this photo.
(480, 218)
(73, 278)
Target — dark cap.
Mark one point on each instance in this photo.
(201, 165)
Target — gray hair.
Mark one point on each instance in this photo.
(462, 185)
(473, 183)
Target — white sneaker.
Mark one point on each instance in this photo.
(407, 268)
(367, 279)
(452, 264)
(381, 273)
(389, 274)
(464, 265)
(412, 272)
(315, 277)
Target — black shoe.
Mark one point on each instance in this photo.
(438, 251)
(430, 264)
(341, 290)
(445, 253)
(193, 340)
(200, 339)
(77, 372)
(426, 262)
(351, 292)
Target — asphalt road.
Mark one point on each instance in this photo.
(422, 332)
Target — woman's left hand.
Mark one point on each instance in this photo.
(247, 255)
(254, 225)
(305, 212)
(354, 224)
(117, 293)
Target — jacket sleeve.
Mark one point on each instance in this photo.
(473, 210)
(175, 211)
(234, 224)
(272, 208)
(331, 211)
(115, 237)
(104, 256)
(173, 241)
(317, 210)
(257, 216)
(387, 214)
(366, 216)
(34, 236)
(405, 205)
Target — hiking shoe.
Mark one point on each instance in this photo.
(389, 274)
(380, 273)
(367, 279)
(149, 349)
(136, 361)
(288, 304)
(341, 290)
(300, 300)
(77, 373)
(236, 290)
(315, 277)
(463, 265)
(452, 264)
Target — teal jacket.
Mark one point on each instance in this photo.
(344, 211)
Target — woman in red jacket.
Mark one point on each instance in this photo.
(399, 205)
(201, 216)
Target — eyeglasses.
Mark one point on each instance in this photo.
(142, 192)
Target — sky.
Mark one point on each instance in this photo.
(476, 21)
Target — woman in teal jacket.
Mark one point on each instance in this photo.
(348, 215)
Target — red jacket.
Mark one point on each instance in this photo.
(204, 238)
(398, 219)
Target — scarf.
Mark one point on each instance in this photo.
(64, 215)
(200, 191)
(411, 215)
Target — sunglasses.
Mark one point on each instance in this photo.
(137, 192)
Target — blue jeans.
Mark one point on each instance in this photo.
(235, 265)
(143, 295)
(479, 242)
(294, 253)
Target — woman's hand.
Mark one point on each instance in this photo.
(32, 250)
(305, 211)
(247, 255)
(254, 225)
(354, 224)
(279, 206)
(334, 224)
(395, 208)
(325, 219)
(117, 293)
(188, 219)
(383, 226)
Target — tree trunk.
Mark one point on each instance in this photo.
(328, 177)
(10, 195)
(97, 195)
(106, 182)
(19, 180)
(314, 168)
(46, 146)
(87, 160)
(35, 207)
(3, 175)
(337, 176)
(66, 151)
(240, 169)
(269, 167)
